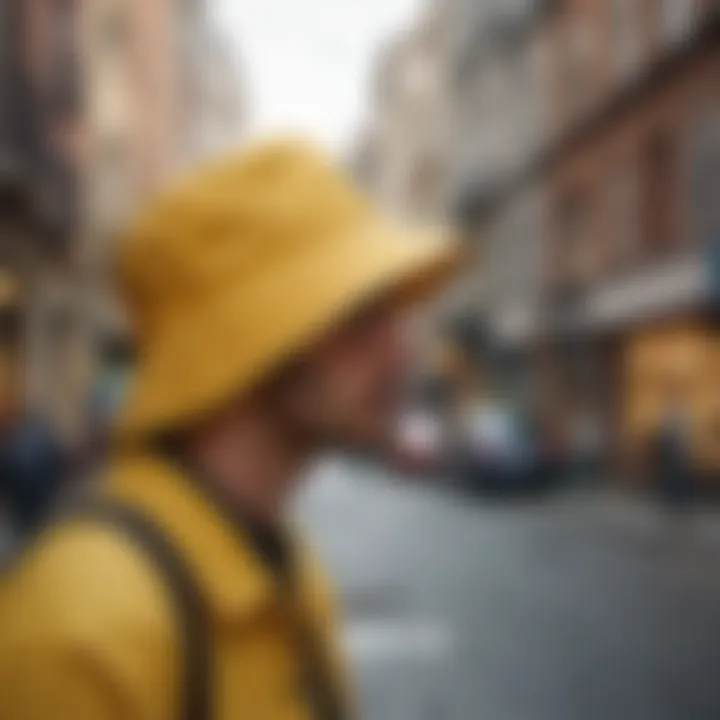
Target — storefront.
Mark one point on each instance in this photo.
(673, 367)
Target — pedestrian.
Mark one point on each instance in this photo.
(32, 464)
(269, 304)
(673, 467)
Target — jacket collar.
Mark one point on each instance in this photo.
(218, 551)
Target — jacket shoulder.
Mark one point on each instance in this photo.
(85, 601)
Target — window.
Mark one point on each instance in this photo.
(574, 258)
(626, 25)
(622, 215)
(660, 194)
(575, 235)
(578, 69)
(64, 94)
(11, 329)
(111, 187)
(677, 19)
(704, 178)
(63, 31)
(115, 31)
(424, 183)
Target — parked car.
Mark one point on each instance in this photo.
(501, 452)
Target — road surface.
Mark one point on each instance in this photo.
(579, 606)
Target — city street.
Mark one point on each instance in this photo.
(582, 606)
(236, 233)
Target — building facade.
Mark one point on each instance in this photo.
(141, 110)
(631, 223)
(586, 141)
(216, 100)
(101, 101)
(498, 125)
(402, 150)
(41, 156)
(163, 90)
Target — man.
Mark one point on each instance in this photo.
(269, 303)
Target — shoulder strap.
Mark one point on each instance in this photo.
(196, 684)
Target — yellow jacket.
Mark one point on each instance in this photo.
(88, 631)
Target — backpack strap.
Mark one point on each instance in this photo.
(192, 616)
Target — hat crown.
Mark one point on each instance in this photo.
(229, 221)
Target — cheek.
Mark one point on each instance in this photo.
(334, 393)
(345, 393)
(377, 390)
(360, 380)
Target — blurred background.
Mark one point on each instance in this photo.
(544, 543)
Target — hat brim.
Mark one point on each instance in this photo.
(225, 345)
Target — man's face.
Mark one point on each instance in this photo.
(348, 389)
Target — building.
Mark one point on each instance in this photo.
(217, 104)
(632, 169)
(402, 150)
(457, 115)
(101, 101)
(163, 90)
(586, 141)
(141, 106)
(41, 156)
(498, 121)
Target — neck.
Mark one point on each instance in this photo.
(251, 461)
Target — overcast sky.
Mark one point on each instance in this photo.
(307, 62)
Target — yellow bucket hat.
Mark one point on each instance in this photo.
(243, 264)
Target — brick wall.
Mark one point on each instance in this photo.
(619, 193)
